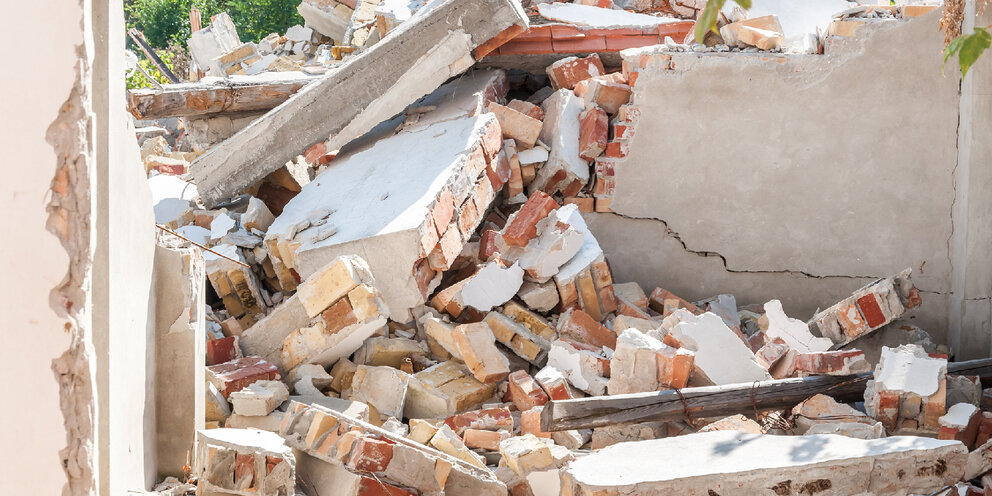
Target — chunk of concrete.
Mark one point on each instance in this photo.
(584, 366)
(564, 170)
(383, 388)
(259, 398)
(418, 57)
(753, 463)
(721, 357)
(794, 332)
(244, 462)
(633, 367)
(443, 390)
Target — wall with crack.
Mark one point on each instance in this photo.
(798, 177)
(32, 260)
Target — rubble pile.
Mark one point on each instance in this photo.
(398, 309)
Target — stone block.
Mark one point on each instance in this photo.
(259, 398)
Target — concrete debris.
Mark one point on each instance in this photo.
(402, 243)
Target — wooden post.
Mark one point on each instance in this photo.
(715, 401)
(139, 40)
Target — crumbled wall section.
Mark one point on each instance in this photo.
(797, 173)
(71, 135)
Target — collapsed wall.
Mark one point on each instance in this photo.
(802, 142)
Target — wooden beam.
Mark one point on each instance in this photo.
(366, 89)
(715, 401)
(139, 39)
(193, 99)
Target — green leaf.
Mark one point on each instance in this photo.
(953, 47)
(745, 4)
(707, 20)
(973, 46)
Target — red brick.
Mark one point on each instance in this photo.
(572, 188)
(429, 236)
(468, 217)
(677, 30)
(584, 45)
(887, 411)
(868, 304)
(489, 419)
(480, 439)
(536, 47)
(527, 108)
(530, 423)
(585, 204)
(523, 227)
(222, 350)
(581, 326)
(659, 297)
(244, 470)
(615, 149)
(617, 32)
(566, 73)
(608, 95)
(593, 132)
(535, 33)
(313, 154)
(674, 368)
(825, 362)
(370, 455)
(487, 244)
(566, 32)
(373, 486)
(984, 429)
(442, 211)
(492, 140)
(338, 316)
(851, 321)
(524, 391)
(447, 249)
(423, 274)
(496, 41)
(238, 374)
(617, 43)
(498, 170)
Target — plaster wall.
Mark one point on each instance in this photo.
(803, 177)
(32, 261)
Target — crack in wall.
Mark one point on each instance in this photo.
(723, 259)
(69, 207)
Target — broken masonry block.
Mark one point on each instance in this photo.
(522, 128)
(515, 183)
(594, 131)
(582, 87)
(443, 390)
(383, 388)
(526, 453)
(720, 357)
(348, 447)
(794, 332)
(401, 218)
(769, 354)
(237, 374)
(961, 423)
(845, 465)
(489, 419)
(839, 362)
(538, 325)
(541, 297)
(487, 440)
(578, 325)
(822, 409)
(235, 284)
(389, 352)
(527, 108)
(257, 216)
(418, 57)
(555, 244)
(259, 398)
(868, 309)
(422, 430)
(906, 376)
(530, 423)
(243, 462)
(564, 171)
(517, 337)
(749, 32)
(569, 71)
(665, 302)
(632, 293)
(675, 366)
(446, 441)
(521, 227)
(607, 95)
(585, 281)
(223, 350)
(586, 367)
(737, 423)
(633, 366)
(524, 391)
(477, 346)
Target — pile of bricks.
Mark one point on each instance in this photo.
(396, 318)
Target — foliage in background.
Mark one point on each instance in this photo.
(138, 80)
(163, 21)
(709, 16)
